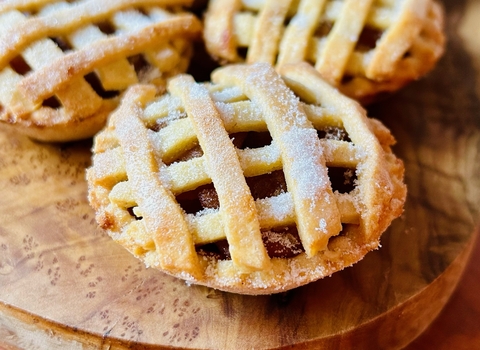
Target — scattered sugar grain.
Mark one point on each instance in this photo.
(279, 207)
(167, 106)
(285, 240)
(130, 21)
(227, 112)
(206, 211)
(229, 94)
(159, 14)
(322, 226)
(304, 155)
(267, 155)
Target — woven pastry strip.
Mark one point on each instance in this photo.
(373, 173)
(165, 219)
(144, 145)
(237, 206)
(48, 48)
(362, 46)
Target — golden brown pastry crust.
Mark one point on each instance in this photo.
(338, 38)
(137, 177)
(47, 48)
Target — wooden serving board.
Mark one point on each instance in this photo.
(64, 284)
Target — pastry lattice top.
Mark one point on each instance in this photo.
(139, 174)
(55, 55)
(362, 46)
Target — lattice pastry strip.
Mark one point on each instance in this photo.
(56, 55)
(187, 144)
(177, 253)
(362, 46)
(373, 166)
(236, 203)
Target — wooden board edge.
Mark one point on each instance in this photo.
(402, 324)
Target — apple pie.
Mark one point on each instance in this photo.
(366, 48)
(257, 182)
(65, 64)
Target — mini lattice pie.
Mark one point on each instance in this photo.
(63, 64)
(364, 47)
(254, 183)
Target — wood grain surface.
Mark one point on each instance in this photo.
(458, 325)
(64, 284)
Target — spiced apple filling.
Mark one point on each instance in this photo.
(70, 61)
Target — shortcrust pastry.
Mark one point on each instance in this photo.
(64, 64)
(366, 48)
(255, 183)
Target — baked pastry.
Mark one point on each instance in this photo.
(254, 183)
(63, 64)
(363, 47)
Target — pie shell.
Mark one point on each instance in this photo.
(329, 35)
(133, 186)
(48, 48)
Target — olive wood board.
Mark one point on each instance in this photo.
(64, 284)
